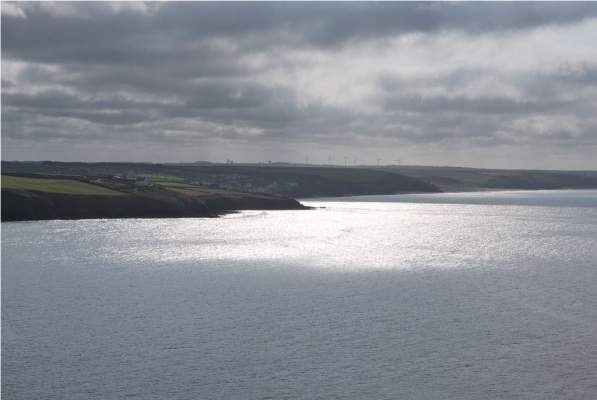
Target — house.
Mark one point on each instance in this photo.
(141, 181)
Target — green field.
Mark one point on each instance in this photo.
(67, 186)
(158, 178)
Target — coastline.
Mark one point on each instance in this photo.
(39, 206)
(364, 197)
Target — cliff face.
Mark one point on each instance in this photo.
(20, 205)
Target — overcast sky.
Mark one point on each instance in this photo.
(471, 84)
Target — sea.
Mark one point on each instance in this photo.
(488, 295)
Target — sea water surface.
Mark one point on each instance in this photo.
(460, 296)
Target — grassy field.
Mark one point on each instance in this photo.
(66, 186)
(177, 184)
(158, 178)
(28, 198)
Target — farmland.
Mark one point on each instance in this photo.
(65, 186)
(43, 197)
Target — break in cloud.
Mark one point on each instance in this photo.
(478, 84)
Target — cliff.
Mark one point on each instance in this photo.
(68, 199)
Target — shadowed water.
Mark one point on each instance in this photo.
(462, 296)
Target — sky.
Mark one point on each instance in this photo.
(495, 85)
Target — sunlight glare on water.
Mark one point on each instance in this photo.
(439, 297)
(349, 235)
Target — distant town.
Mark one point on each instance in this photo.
(310, 180)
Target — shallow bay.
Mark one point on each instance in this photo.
(461, 296)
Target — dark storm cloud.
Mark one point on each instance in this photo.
(103, 37)
(113, 111)
(479, 105)
(224, 102)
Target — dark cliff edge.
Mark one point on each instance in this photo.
(25, 205)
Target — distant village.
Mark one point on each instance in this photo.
(244, 183)
(237, 182)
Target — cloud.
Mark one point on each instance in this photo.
(260, 79)
(12, 10)
(105, 32)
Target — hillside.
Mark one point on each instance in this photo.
(472, 179)
(301, 181)
(42, 197)
(290, 181)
